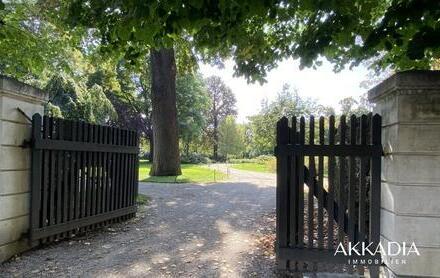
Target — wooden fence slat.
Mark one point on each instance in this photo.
(113, 172)
(52, 182)
(85, 174)
(66, 171)
(136, 169)
(101, 170)
(341, 191)
(362, 183)
(301, 185)
(130, 172)
(60, 202)
(331, 185)
(282, 191)
(78, 173)
(311, 186)
(46, 173)
(321, 187)
(124, 170)
(36, 178)
(375, 184)
(98, 171)
(352, 182)
(107, 159)
(74, 190)
(293, 188)
(92, 177)
(88, 170)
(118, 170)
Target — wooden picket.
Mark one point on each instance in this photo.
(83, 176)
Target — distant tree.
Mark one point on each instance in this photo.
(350, 105)
(325, 110)
(222, 105)
(230, 141)
(288, 103)
(192, 106)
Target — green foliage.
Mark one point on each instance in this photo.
(350, 105)
(230, 142)
(258, 34)
(195, 158)
(192, 105)
(288, 103)
(396, 33)
(73, 100)
(35, 40)
(222, 104)
(34, 44)
(212, 29)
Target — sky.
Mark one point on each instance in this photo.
(321, 84)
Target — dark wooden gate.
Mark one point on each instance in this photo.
(328, 192)
(83, 176)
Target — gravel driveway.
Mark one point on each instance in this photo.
(187, 230)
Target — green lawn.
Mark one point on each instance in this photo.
(190, 173)
(249, 166)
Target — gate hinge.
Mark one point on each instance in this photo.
(26, 144)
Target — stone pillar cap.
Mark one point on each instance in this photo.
(408, 82)
(11, 86)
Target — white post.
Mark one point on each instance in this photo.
(15, 162)
(409, 103)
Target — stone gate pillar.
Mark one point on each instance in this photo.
(409, 103)
(15, 162)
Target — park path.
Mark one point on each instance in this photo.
(187, 230)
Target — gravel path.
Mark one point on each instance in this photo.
(187, 230)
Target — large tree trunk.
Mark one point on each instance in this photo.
(166, 159)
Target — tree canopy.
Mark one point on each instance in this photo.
(258, 34)
(288, 103)
(222, 104)
(35, 39)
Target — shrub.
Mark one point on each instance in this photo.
(264, 158)
(271, 165)
(195, 158)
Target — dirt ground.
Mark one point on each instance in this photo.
(186, 230)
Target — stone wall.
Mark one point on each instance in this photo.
(15, 162)
(409, 103)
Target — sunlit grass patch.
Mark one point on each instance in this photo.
(196, 173)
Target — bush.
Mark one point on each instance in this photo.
(144, 154)
(271, 164)
(195, 158)
(264, 158)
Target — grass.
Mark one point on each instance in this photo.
(252, 166)
(269, 167)
(194, 173)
